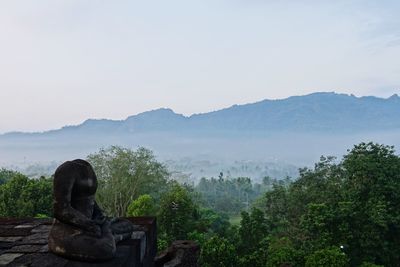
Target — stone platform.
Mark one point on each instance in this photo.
(23, 242)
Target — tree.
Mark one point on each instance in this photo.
(368, 264)
(276, 208)
(142, 206)
(282, 253)
(177, 213)
(124, 175)
(6, 175)
(257, 257)
(353, 203)
(331, 257)
(317, 224)
(218, 251)
(228, 195)
(373, 186)
(253, 229)
(24, 197)
(212, 221)
(252, 243)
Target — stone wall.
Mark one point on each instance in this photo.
(23, 242)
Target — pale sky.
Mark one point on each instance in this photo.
(63, 61)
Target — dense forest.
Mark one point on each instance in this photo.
(342, 212)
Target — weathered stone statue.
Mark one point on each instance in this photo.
(80, 230)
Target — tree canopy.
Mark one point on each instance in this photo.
(24, 197)
(124, 174)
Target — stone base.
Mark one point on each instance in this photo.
(23, 242)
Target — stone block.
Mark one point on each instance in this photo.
(7, 258)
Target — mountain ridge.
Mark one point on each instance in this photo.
(297, 130)
(319, 111)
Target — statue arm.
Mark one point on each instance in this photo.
(98, 215)
(63, 211)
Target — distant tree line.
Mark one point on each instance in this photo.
(232, 195)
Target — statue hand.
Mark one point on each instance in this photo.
(100, 221)
(94, 230)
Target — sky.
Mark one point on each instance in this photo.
(64, 61)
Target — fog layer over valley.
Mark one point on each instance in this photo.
(271, 137)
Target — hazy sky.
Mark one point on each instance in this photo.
(62, 62)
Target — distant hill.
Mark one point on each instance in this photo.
(317, 112)
(321, 112)
(294, 128)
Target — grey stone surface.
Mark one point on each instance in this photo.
(38, 260)
(7, 258)
(182, 253)
(140, 235)
(25, 248)
(10, 238)
(41, 229)
(25, 226)
(44, 249)
(35, 239)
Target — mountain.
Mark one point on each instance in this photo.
(299, 126)
(317, 112)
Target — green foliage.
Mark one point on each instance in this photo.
(331, 257)
(317, 224)
(142, 206)
(123, 175)
(353, 203)
(275, 204)
(257, 257)
(162, 243)
(200, 237)
(282, 253)
(228, 195)
(253, 229)
(210, 221)
(368, 264)
(218, 251)
(41, 216)
(177, 213)
(24, 197)
(373, 183)
(6, 175)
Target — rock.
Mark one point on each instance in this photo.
(182, 253)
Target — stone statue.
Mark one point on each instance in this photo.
(80, 230)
